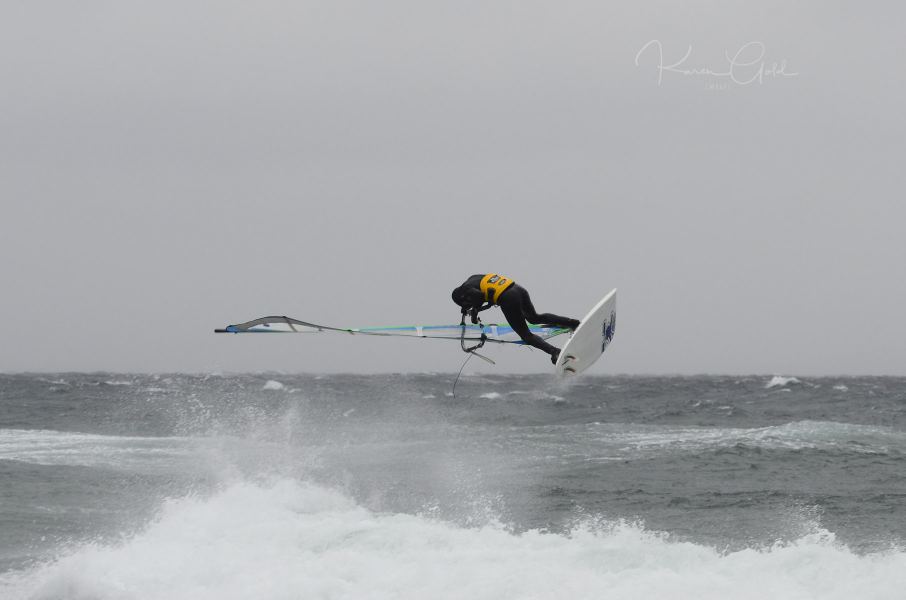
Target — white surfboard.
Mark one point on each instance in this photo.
(591, 339)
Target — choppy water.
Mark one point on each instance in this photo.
(279, 486)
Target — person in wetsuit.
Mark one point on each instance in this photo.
(481, 292)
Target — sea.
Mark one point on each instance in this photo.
(303, 486)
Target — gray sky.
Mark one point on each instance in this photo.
(172, 167)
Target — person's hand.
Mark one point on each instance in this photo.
(474, 316)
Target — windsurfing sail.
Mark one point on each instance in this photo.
(500, 334)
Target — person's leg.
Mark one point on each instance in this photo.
(511, 303)
(528, 310)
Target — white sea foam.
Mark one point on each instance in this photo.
(273, 385)
(116, 382)
(297, 540)
(48, 447)
(627, 441)
(491, 396)
(781, 381)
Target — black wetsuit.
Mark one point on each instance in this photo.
(518, 309)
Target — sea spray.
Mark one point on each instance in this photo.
(294, 539)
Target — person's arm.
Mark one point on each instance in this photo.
(475, 310)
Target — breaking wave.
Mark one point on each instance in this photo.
(291, 539)
(781, 381)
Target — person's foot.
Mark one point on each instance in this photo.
(555, 356)
(574, 324)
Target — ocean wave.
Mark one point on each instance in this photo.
(781, 381)
(298, 540)
(631, 440)
(49, 447)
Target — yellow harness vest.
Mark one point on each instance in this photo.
(492, 285)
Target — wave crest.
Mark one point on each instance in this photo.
(294, 539)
